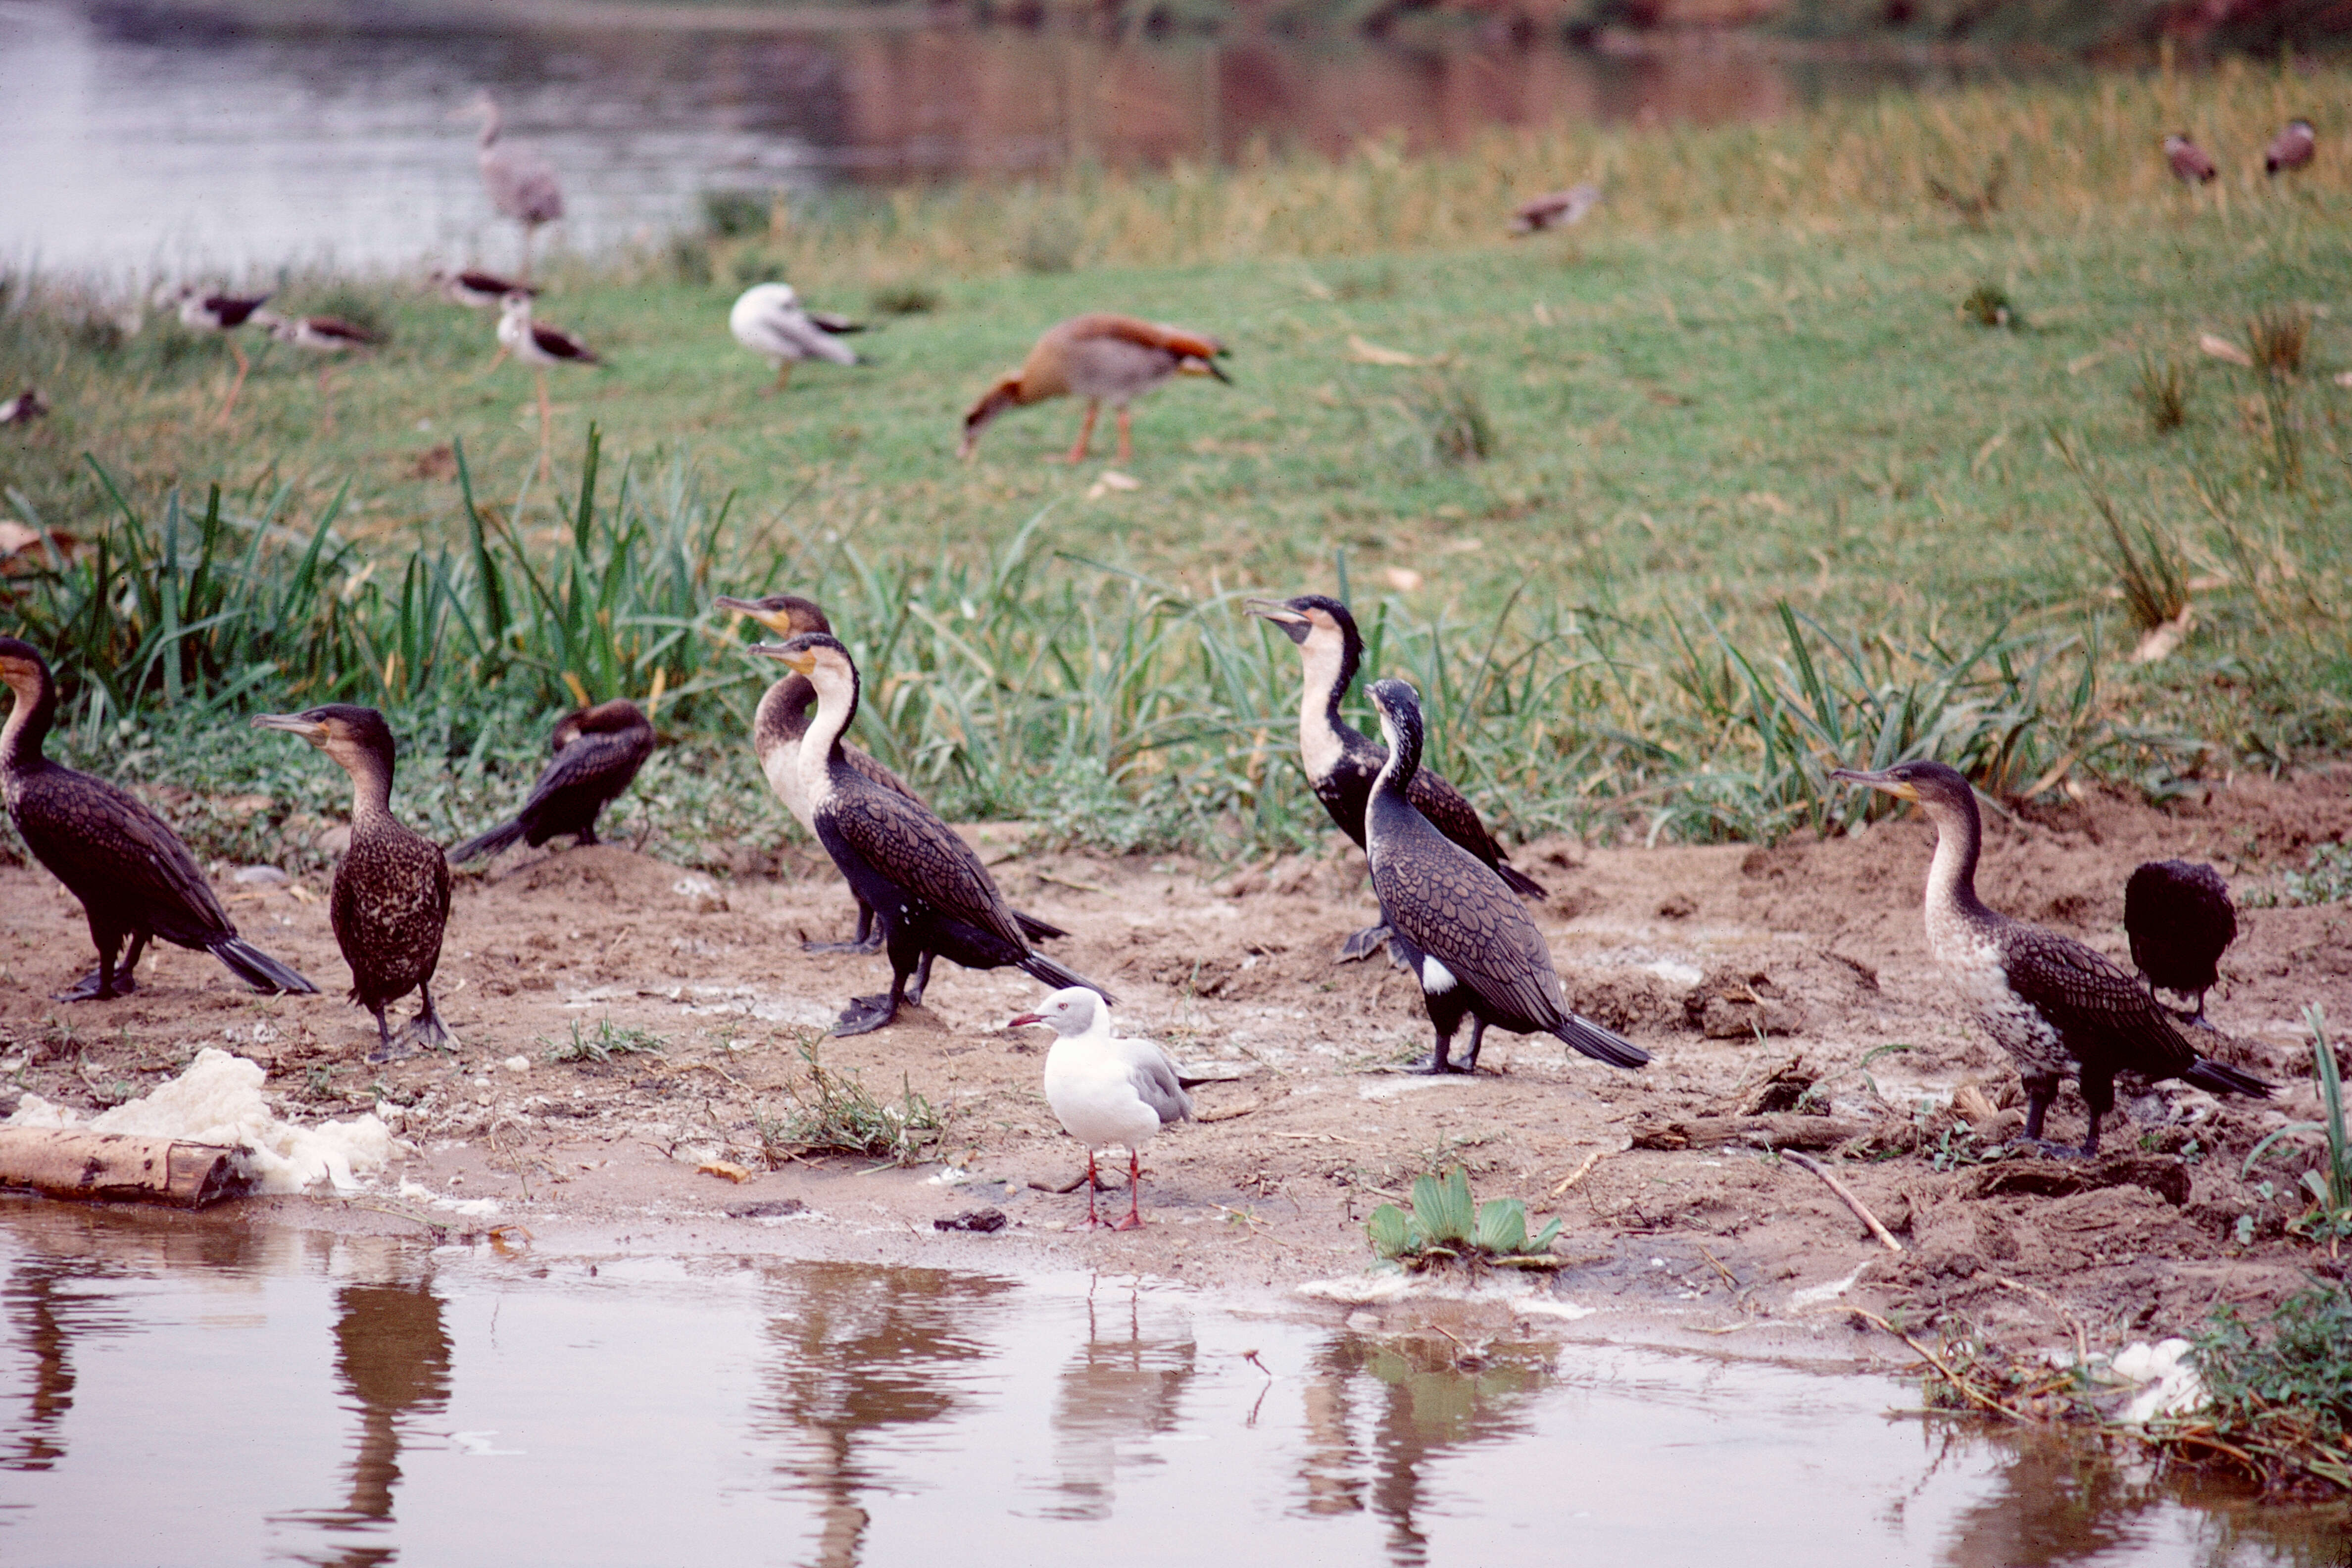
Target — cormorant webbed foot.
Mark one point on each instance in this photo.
(426, 1030)
(872, 944)
(1432, 1063)
(92, 987)
(2050, 1149)
(865, 1015)
(1363, 944)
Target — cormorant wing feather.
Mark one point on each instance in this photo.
(901, 838)
(1453, 814)
(2102, 1014)
(588, 758)
(120, 851)
(1458, 912)
(866, 767)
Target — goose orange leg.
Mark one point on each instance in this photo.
(1086, 433)
(1126, 439)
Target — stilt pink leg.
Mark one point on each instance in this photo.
(546, 421)
(1091, 1220)
(1126, 439)
(1134, 1220)
(243, 364)
(783, 374)
(1086, 433)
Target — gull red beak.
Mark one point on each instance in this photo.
(1027, 1018)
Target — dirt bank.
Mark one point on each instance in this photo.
(1727, 963)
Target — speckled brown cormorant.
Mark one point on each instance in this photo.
(2181, 921)
(134, 878)
(598, 752)
(390, 898)
(1341, 760)
(1454, 922)
(776, 731)
(926, 887)
(2055, 1005)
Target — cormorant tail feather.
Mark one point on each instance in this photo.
(1601, 1044)
(1036, 929)
(2216, 1079)
(1058, 975)
(258, 970)
(489, 843)
(1520, 882)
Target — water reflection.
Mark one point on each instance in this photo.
(159, 135)
(1119, 1390)
(856, 1350)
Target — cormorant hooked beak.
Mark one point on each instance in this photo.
(1293, 626)
(311, 730)
(1885, 782)
(802, 662)
(776, 621)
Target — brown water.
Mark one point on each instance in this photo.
(154, 137)
(198, 1391)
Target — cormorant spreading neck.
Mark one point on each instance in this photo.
(784, 715)
(370, 773)
(1330, 669)
(29, 722)
(836, 705)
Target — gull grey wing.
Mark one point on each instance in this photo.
(1154, 1078)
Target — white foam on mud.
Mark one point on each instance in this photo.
(218, 1099)
(1814, 1295)
(1390, 1087)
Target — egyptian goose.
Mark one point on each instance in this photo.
(770, 321)
(1102, 358)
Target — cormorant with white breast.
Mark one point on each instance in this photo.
(776, 731)
(928, 890)
(598, 752)
(2181, 921)
(2055, 1005)
(390, 898)
(1341, 760)
(134, 878)
(1454, 922)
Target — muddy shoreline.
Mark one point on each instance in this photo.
(1730, 963)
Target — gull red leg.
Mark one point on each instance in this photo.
(1091, 1220)
(1134, 1220)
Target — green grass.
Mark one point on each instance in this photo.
(1720, 491)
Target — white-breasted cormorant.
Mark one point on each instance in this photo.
(930, 893)
(781, 721)
(134, 878)
(598, 752)
(390, 898)
(1106, 1092)
(1454, 922)
(1341, 760)
(2054, 1004)
(2181, 921)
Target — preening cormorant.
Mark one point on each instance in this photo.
(2055, 1005)
(1454, 922)
(1341, 760)
(926, 887)
(598, 752)
(134, 878)
(391, 899)
(1105, 1090)
(2181, 921)
(776, 731)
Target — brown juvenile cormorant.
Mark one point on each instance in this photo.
(134, 878)
(926, 887)
(2181, 921)
(1341, 760)
(776, 731)
(598, 752)
(2053, 1004)
(1454, 922)
(391, 891)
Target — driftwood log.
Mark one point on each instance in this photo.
(1784, 1129)
(71, 1163)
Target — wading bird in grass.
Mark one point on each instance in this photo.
(539, 345)
(2291, 148)
(391, 899)
(223, 313)
(1558, 209)
(521, 183)
(2056, 1006)
(1106, 1091)
(2189, 165)
(770, 321)
(328, 336)
(25, 407)
(134, 878)
(478, 291)
(1102, 358)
